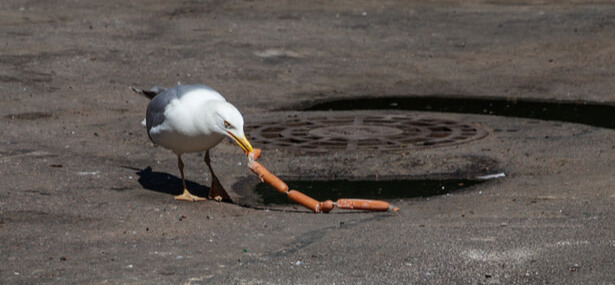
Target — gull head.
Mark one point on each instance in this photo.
(229, 122)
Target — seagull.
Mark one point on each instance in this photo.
(193, 118)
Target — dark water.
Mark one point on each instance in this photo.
(381, 190)
(599, 115)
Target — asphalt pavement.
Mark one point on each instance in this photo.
(85, 198)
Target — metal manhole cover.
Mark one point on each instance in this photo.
(362, 132)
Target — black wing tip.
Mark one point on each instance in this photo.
(147, 93)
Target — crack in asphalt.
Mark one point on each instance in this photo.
(296, 245)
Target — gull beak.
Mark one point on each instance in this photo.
(242, 142)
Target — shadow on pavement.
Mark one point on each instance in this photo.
(167, 183)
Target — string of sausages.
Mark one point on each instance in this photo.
(269, 178)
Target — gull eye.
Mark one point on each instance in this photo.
(227, 125)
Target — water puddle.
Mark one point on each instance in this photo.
(593, 114)
(381, 190)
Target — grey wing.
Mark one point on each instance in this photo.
(155, 110)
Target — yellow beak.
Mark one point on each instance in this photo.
(243, 143)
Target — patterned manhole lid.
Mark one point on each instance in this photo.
(355, 132)
(361, 132)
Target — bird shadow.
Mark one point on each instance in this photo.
(166, 183)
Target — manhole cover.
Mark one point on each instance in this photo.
(361, 132)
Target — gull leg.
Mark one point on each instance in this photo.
(186, 196)
(216, 191)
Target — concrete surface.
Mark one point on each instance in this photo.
(77, 205)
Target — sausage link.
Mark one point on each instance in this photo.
(326, 206)
(254, 154)
(267, 177)
(362, 204)
(304, 200)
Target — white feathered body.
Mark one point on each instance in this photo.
(187, 121)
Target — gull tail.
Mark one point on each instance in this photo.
(148, 93)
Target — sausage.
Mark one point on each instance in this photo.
(254, 154)
(267, 177)
(304, 200)
(326, 206)
(362, 204)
